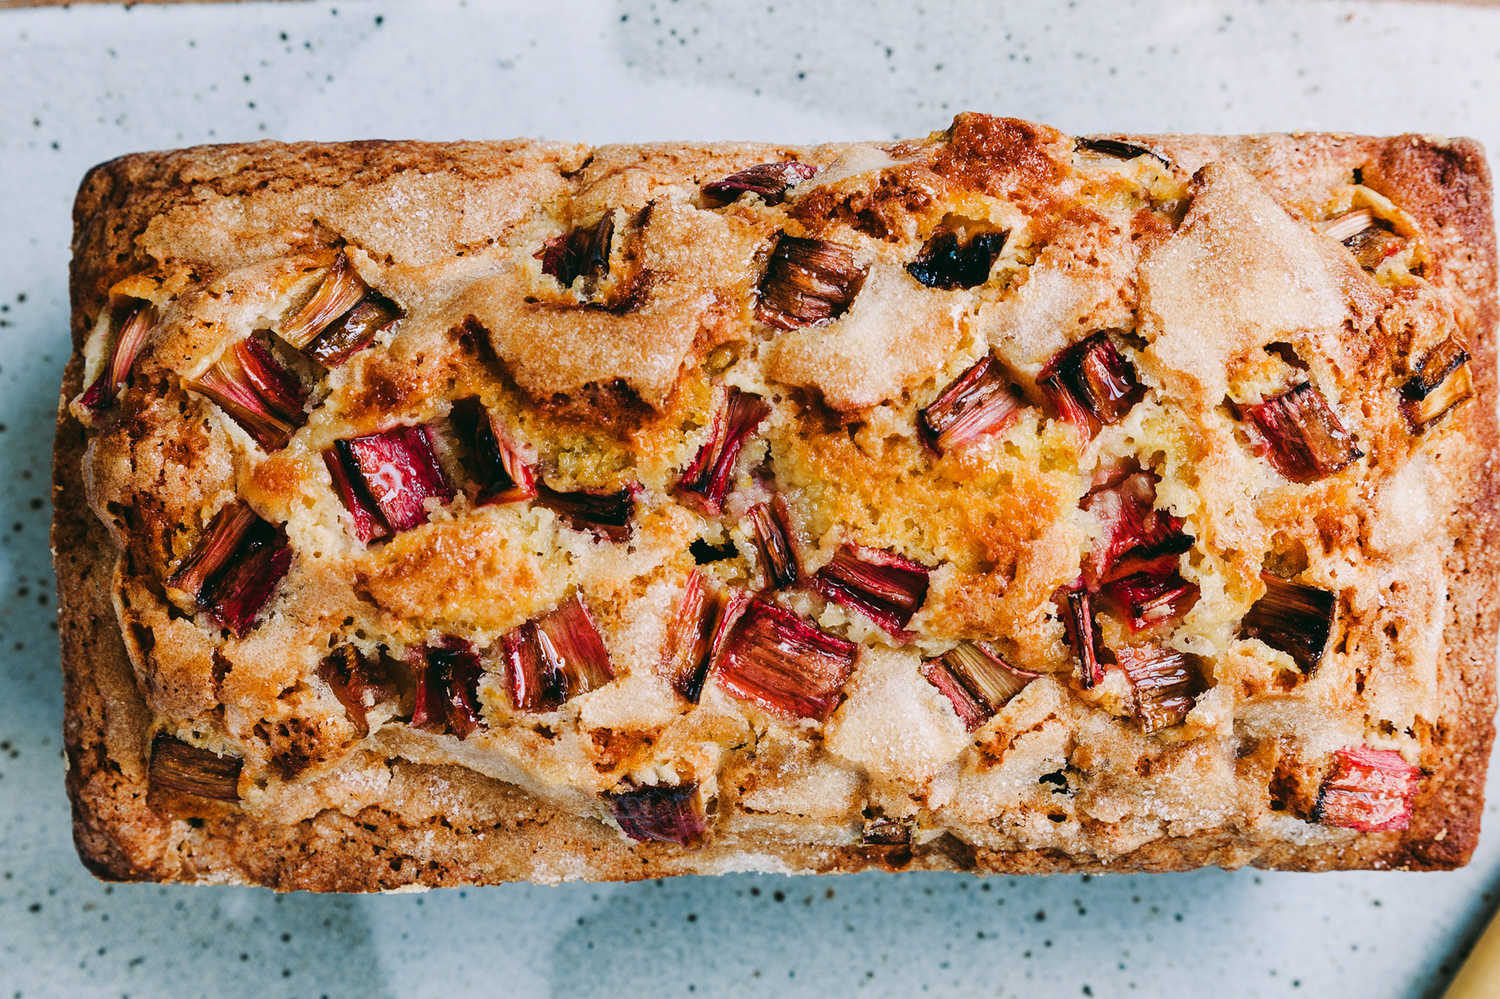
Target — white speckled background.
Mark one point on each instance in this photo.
(80, 85)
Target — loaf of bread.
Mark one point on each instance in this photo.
(437, 514)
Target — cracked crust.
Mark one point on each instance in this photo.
(430, 820)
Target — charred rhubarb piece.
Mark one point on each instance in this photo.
(980, 402)
(976, 680)
(769, 180)
(447, 694)
(1292, 618)
(1303, 438)
(358, 683)
(1120, 150)
(340, 291)
(661, 813)
(582, 252)
(605, 514)
(133, 333)
(783, 663)
(1164, 684)
(355, 331)
(885, 587)
(496, 463)
(884, 832)
(1083, 636)
(235, 568)
(707, 478)
(807, 281)
(385, 480)
(946, 263)
(1148, 599)
(1369, 790)
(1091, 384)
(179, 768)
(1441, 383)
(556, 657)
(256, 392)
(697, 633)
(775, 544)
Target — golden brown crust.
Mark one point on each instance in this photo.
(417, 818)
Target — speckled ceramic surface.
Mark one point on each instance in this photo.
(85, 83)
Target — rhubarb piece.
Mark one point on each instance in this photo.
(582, 252)
(556, 657)
(885, 587)
(979, 403)
(697, 633)
(775, 544)
(1369, 790)
(235, 567)
(1134, 537)
(179, 768)
(976, 680)
(769, 180)
(1120, 150)
(606, 514)
(1369, 238)
(340, 291)
(133, 333)
(354, 332)
(390, 475)
(1441, 383)
(661, 813)
(1149, 599)
(447, 694)
(368, 523)
(945, 263)
(883, 832)
(1303, 438)
(807, 281)
(1164, 684)
(1091, 384)
(1292, 618)
(256, 392)
(496, 463)
(707, 478)
(1083, 636)
(786, 665)
(358, 683)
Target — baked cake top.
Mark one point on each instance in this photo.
(1046, 494)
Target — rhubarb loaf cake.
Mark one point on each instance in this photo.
(1000, 500)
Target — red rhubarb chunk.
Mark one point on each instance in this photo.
(979, 403)
(1369, 790)
(129, 341)
(496, 464)
(359, 684)
(1302, 438)
(447, 694)
(1148, 599)
(976, 680)
(555, 657)
(1133, 537)
(399, 473)
(661, 813)
(235, 568)
(944, 262)
(580, 252)
(707, 478)
(783, 663)
(769, 180)
(885, 587)
(697, 632)
(1091, 384)
(255, 391)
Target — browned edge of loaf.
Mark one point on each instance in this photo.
(1444, 184)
